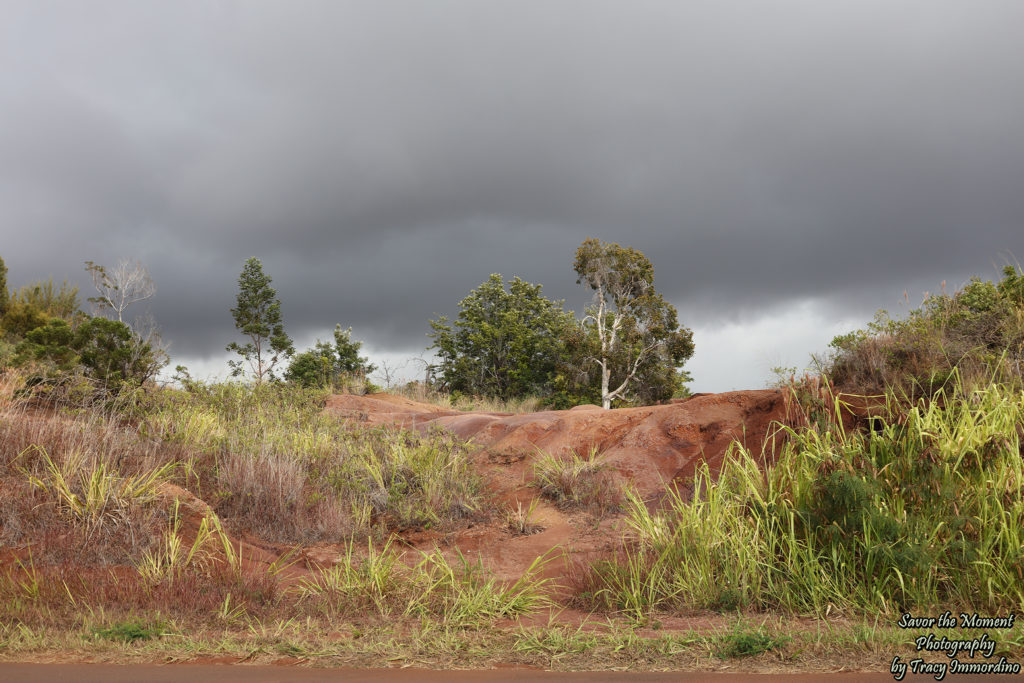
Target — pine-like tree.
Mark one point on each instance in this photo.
(258, 317)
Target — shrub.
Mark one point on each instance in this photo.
(741, 641)
(104, 351)
(978, 331)
(338, 367)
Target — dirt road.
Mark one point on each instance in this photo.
(219, 673)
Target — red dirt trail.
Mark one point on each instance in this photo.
(245, 673)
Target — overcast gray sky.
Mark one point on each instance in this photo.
(788, 166)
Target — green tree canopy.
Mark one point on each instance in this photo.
(104, 350)
(505, 343)
(327, 365)
(630, 335)
(258, 317)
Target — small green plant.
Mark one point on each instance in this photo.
(231, 612)
(29, 584)
(131, 631)
(520, 520)
(742, 641)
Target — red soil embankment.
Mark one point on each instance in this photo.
(651, 445)
(651, 448)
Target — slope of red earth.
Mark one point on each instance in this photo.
(651, 448)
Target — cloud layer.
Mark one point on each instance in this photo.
(382, 159)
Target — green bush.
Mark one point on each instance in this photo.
(978, 331)
(104, 351)
(745, 642)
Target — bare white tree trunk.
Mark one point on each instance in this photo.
(120, 286)
(608, 336)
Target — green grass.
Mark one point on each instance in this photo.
(131, 631)
(927, 512)
(278, 465)
(743, 641)
(377, 581)
(323, 642)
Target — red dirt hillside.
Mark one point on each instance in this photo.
(651, 445)
(651, 448)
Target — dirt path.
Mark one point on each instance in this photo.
(220, 673)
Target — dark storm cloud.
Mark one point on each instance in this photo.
(382, 158)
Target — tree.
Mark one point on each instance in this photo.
(258, 316)
(4, 296)
(328, 366)
(120, 286)
(112, 354)
(50, 301)
(504, 344)
(101, 349)
(349, 360)
(630, 333)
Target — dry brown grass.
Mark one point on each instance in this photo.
(578, 481)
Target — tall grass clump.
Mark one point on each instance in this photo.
(924, 512)
(377, 581)
(270, 461)
(577, 480)
(93, 494)
(78, 484)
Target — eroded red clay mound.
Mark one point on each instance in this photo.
(651, 446)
